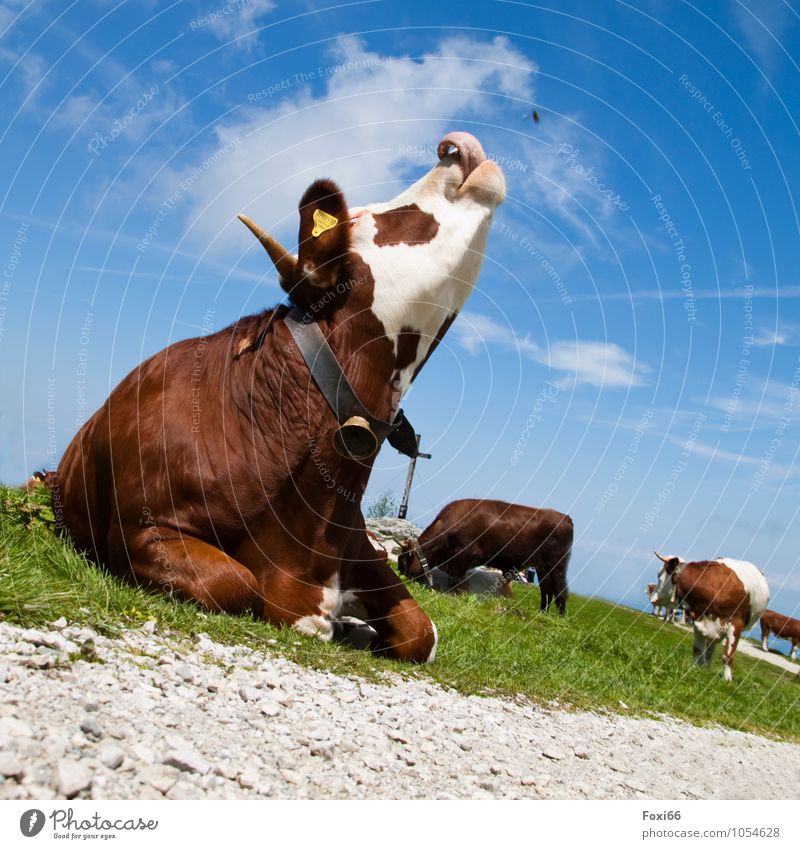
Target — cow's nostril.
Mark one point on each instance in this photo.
(466, 147)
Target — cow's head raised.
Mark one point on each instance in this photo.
(411, 262)
(664, 592)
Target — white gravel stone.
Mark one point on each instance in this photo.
(187, 760)
(11, 766)
(111, 755)
(310, 734)
(72, 777)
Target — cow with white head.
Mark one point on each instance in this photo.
(217, 469)
(723, 598)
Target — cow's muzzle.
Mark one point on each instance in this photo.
(466, 147)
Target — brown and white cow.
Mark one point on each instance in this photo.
(210, 470)
(781, 626)
(723, 597)
(500, 535)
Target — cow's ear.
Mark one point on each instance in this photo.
(324, 236)
(672, 564)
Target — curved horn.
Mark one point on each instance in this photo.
(662, 559)
(285, 263)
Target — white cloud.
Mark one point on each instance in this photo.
(236, 21)
(764, 24)
(364, 129)
(474, 331)
(605, 365)
(773, 337)
(601, 364)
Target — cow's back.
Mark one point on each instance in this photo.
(755, 585)
(488, 529)
(165, 447)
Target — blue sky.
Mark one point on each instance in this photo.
(630, 355)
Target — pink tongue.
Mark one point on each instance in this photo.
(469, 151)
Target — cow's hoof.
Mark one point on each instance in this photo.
(354, 633)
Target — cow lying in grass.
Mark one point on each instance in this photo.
(218, 471)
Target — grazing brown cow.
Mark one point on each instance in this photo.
(503, 536)
(723, 598)
(211, 471)
(782, 626)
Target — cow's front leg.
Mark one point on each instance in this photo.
(163, 558)
(371, 591)
(299, 585)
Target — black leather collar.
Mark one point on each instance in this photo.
(336, 389)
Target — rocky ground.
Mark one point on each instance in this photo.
(147, 716)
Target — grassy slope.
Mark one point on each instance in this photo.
(598, 656)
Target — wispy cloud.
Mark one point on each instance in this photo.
(364, 127)
(698, 294)
(763, 25)
(597, 363)
(235, 21)
(774, 337)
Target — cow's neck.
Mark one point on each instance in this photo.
(381, 339)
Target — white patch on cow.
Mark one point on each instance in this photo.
(727, 673)
(432, 655)
(320, 625)
(793, 653)
(707, 633)
(422, 286)
(664, 596)
(764, 643)
(754, 583)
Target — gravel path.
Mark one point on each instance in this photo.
(214, 721)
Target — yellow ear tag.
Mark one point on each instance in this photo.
(322, 222)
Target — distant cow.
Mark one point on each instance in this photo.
(781, 626)
(668, 612)
(503, 536)
(723, 598)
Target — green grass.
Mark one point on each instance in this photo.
(597, 657)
